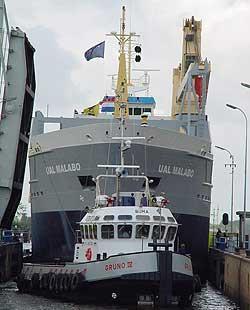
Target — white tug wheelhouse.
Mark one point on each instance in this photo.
(110, 229)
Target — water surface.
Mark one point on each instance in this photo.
(11, 299)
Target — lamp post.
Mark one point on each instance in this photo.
(232, 165)
(245, 173)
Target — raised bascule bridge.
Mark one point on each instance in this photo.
(17, 92)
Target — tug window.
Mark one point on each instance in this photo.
(124, 217)
(108, 217)
(159, 218)
(124, 231)
(137, 111)
(142, 217)
(158, 232)
(82, 231)
(171, 219)
(107, 232)
(95, 231)
(90, 231)
(142, 231)
(86, 231)
(171, 233)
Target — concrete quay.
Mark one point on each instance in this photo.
(11, 260)
(230, 272)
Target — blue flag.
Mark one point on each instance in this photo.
(95, 51)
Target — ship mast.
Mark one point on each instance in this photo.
(123, 81)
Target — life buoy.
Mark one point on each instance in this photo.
(35, 281)
(164, 202)
(88, 254)
(109, 201)
(74, 281)
(66, 282)
(52, 282)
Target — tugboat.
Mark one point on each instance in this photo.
(124, 250)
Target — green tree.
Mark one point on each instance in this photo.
(21, 220)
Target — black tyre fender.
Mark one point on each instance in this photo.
(59, 286)
(44, 282)
(35, 281)
(20, 282)
(52, 282)
(74, 281)
(66, 279)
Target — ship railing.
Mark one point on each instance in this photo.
(121, 173)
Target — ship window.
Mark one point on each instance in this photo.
(82, 230)
(142, 231)
(90, 231)
(130, 111)
(171, 219)
(86, 181)
(137, 111)
(124, 231)
(86, 232)
(108, 217)
(147, 110)
(158, 232)
(97, 218)
(142, 217)
(124, 217)
(126, 201)
(159, 218)
(107, 231)
(208, 171)
(171, 233)
(95, 231)
(154, 182)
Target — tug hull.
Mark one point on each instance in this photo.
(157, 277)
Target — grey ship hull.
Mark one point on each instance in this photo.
(63, 163)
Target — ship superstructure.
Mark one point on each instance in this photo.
(175, 155)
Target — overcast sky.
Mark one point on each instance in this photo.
(62, 30)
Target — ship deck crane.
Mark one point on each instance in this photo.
(190, 81)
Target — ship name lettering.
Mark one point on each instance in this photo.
(168, 169)
(50, 170)
(63, 168)
(141, 211)
(117, 266)
(165, 169)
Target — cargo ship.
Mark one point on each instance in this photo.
(175, 154)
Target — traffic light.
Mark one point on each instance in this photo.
(138, 51)
(137, 58)
(225, 219)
